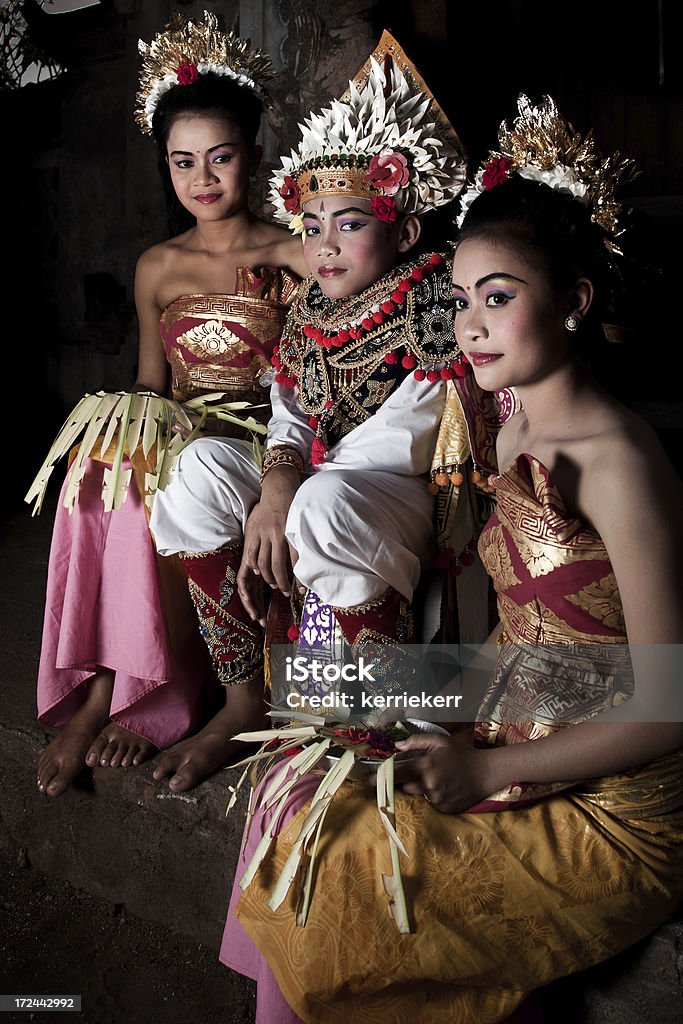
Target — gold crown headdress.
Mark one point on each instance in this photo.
(544, 147)
(185, 50)
(386, 140)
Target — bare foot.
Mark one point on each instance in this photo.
(198, 757)
(118, 746)
(64, 758)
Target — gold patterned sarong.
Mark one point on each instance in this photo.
(500, 903)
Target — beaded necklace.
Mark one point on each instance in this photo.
(382, 326)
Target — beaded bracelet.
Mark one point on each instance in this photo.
(281, 455)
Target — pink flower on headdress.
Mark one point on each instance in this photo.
(388, 172)
(187, 73)
(495, 172)
(290, 193)
(384, 208)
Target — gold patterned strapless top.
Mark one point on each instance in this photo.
(552, 574)
(564, 656)
(225, 342)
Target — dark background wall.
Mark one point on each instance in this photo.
(82, 196)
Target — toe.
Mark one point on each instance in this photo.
(120, 751)
(129, 757)
(59, 783)
(108, 753)
(96, 749)
(42, 769)
(137, 755)
(166, 766)
(46, 772)
(144, 751)
(171, 761)
(186, 777)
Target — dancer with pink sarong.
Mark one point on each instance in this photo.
(122, 665)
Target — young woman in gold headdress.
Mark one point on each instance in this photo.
(550, 837)
(118, 673)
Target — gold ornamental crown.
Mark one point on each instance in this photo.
(186, 49)
(542, 146)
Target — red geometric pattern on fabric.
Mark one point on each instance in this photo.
(235, 642)
(387, 620)
(560, 585)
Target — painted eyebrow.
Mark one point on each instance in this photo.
(489, 277)
(340, 213)
(188, 152)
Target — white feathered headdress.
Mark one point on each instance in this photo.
(386, 140)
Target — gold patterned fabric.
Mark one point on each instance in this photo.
(564, 658)
(563, 587)
(500, 903)
(225, 342)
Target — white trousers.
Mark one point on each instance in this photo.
(356, 531)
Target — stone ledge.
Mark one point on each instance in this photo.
(168, 858)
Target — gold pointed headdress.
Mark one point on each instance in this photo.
(186, 49)
(542, 146)
(386, 139)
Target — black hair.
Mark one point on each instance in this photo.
(554, 232)
(436, 230)
(209, 95)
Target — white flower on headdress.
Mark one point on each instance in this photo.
(296, 224)
(161, 86)
(559, 178)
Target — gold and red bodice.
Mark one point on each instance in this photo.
(223, 342)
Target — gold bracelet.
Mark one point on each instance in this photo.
(281, 455)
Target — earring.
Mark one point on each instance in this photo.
(572, 323)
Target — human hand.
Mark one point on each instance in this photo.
(267, 556)
(249, 579)
(182, 428)
(450, 775)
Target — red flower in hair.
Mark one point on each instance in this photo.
(388, 171)
(384, 208)
(495, 172)
(290, 193)
(187, 73)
